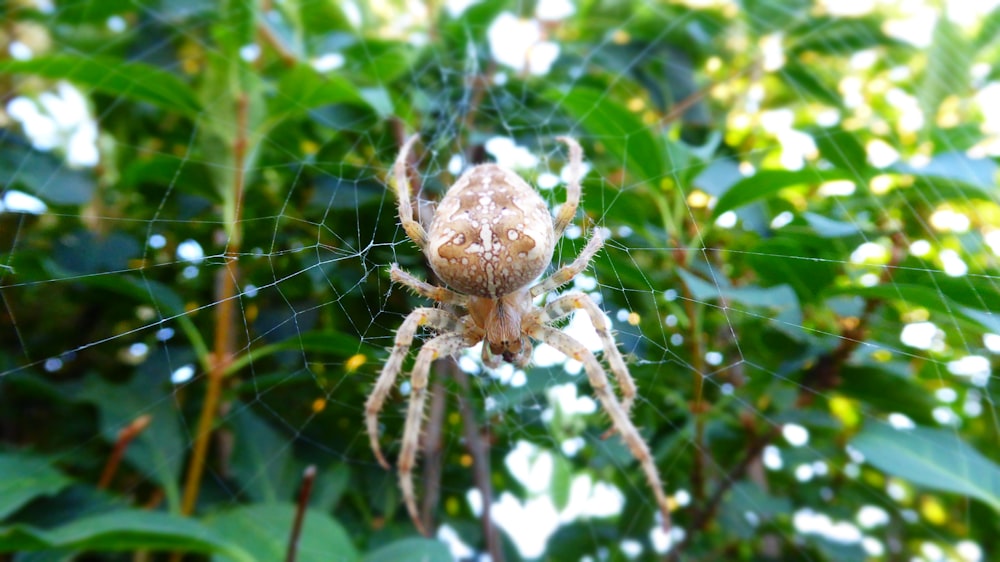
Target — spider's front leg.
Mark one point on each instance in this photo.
(442, 346)
(619, 417)
(568, 209)
(566, 273)
(566, 305)
(435, 318)
(426, 290)
(412, 227)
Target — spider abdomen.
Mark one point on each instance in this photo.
(491, 235)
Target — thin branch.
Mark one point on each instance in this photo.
(125, 436)
(478, 445)
(432, 453)
(308, 477)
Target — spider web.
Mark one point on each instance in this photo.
(722, 272)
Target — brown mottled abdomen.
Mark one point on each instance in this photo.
(492, 233)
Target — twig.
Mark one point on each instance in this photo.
(432, 453)
(308, 477)
(478, 445)
(125, 436)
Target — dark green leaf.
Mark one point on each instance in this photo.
(123, 530)
(262, 459)
(930, 299)
(158, 451)
(841, 148)
(42, 174)
(868, 384)
(130, 80)
(264, 530)
(302, 89)
(780, 299)
(26, 477)
(805, 81)
(417, 550)
(767, 183)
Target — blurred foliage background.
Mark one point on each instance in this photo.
(195, 231)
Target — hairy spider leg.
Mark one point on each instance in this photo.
(619, 418)
(436, 318)
(564, 306)
(568, 209)
(441, 346)
(426, 290)
(412, 227)
(566, 273)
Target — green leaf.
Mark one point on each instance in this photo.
(766, 16)
(947, 70)
(767, 183)
(415, 550)
(562, 478)
(930, 299)
(778, 297)
(835, 36)
(933, 458)
(336, 344)
(262, 459)
(869, 383)
(745, 498)
(158, 451)
(123, 530)
(841, 148)
(829, 228)
(131, 80)
(42, 174)
(621, 131)
(806, 263)
(989, 30)
(805, 80)
(377, 61)
(26, 477)
(302, 89)
(264, 529)
(952, 175)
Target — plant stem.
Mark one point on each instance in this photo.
(308, 477)
(125, 436)
(225, 317)
(432, 452)
(478, 445)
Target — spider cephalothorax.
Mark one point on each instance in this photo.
(491, 237)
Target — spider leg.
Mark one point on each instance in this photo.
(567, 304)
(412, 227)
(426, 290)
(436, 318)
(566, 273)
(441, 346)
(619, 417)
(568, 209)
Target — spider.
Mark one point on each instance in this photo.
(491, 236)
